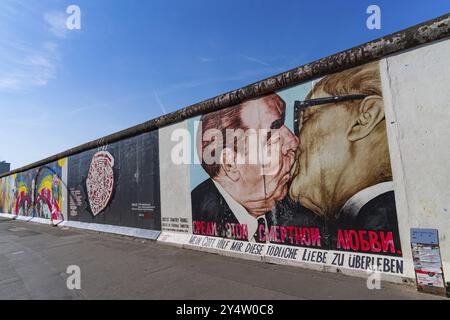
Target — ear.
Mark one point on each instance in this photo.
(370, 114)
(229, 166)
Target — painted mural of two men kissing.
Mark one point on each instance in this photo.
(238, 194)
(334, 177)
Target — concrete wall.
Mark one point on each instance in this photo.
(417, 99)
(295, 232)
(175, 195)
(113, 188)
(397, 147)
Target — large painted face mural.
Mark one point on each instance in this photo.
(239, 175)
(328, 183)
(35, 193)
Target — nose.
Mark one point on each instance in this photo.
(289, 141)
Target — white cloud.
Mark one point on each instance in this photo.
(56, 23)
(8, 82)
(30, 54)
(27, 67)
(255, 60)
(160, 103)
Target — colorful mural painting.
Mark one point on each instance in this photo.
(328, 183)
(304, 168)
(7, 193)
(35, 193)
(300, 176)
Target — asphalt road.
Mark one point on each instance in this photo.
(34, 260)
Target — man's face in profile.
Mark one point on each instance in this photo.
(323, 150)
(269, 184)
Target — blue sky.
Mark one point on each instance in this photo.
(134, 60)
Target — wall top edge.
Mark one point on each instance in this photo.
(426, 32)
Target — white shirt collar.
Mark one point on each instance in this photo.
(358, 200)
(241, 213)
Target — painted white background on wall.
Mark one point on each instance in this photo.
(174, 185)
(416, 87)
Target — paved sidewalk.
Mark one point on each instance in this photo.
(34, 259)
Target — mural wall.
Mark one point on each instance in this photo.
(39, 192)
(117, 184)
(418, 103)
(175, 197)
(301, 176)
(328, 182)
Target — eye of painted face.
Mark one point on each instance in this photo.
(274, 127)
(277, 124)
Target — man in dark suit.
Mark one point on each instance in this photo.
(235, 201)
(209, 205)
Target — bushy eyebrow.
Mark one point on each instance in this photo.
(277, 124)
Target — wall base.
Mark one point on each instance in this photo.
(124, 231)
(188, 242)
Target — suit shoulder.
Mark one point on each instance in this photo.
(379, 213)
(206, 202)
(204, 186)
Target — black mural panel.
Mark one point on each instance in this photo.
(117, 184)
